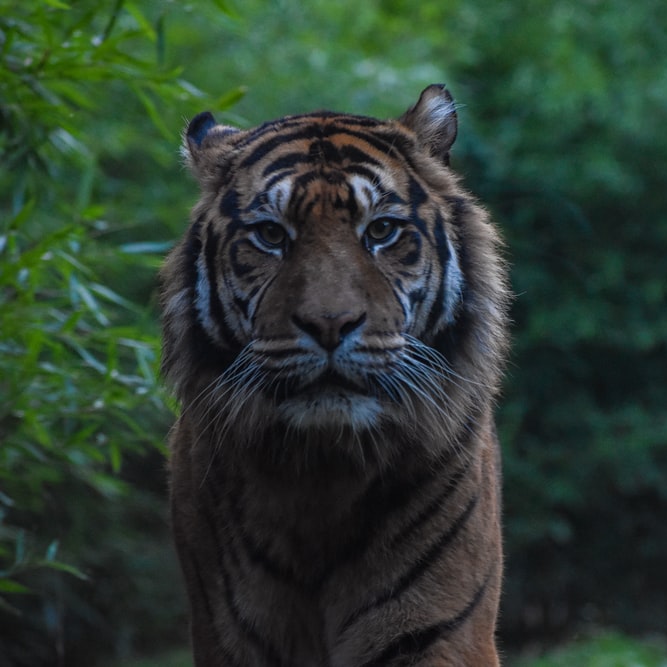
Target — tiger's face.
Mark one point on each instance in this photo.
(327, 267)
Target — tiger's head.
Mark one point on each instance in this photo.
(335, 278)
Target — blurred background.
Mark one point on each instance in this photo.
(561, 134)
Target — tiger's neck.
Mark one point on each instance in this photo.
(320, 500)
(316, 553)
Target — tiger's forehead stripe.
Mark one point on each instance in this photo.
(321, 150)
(295, 160)
(289, 122)
(386, 140)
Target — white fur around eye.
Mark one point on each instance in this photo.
(453, 279)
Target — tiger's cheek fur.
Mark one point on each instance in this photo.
(247, 275)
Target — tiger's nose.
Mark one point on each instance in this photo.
(329, 330)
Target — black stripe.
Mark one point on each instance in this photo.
(382, 499)
(191, 252)
(287, 162)
(203, 588)
(229, 209)
(301, 194)
(276, 178)
(250, 633)
(440, 240)
(459, 207)
(301, 211)
(228, 658)
(416, 297)
(348, 204)
(256, 134)
(458, 212)
(410, 258)
(417, 196)
(229, 204)
(239, 267)
(257, 552)
(442, 248)
(289, 122)
(391, 143)
(243, 305)
(248, 630)
(437, 308)
(413, 644)
(302, 181)
(211, 251)
(413, 255)
(394, 144)
(342, 118)
(449, 340)
(384, 138)
(356, 155)
(423, 563)
(280, 139)
(397, 297)
(306, 178)
(199, 343)
(205, 512)
(430, 510)
(324, 151)
(253, 292)
(211, 631)
(368, 174)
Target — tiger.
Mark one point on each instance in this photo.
(335, 328)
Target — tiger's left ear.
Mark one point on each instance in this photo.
(203, 140)
(433, 120)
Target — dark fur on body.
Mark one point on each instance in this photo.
(335, 469)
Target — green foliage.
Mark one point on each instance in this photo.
(80, 406)
(608, 650)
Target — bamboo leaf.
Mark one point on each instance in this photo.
(153, 113)
(62, 567)
(10, 586)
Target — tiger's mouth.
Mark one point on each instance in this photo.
(329, 401)
(328, 383)
(331, 380)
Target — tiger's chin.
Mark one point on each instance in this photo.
(331, 408)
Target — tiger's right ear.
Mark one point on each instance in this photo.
(433, 119)
(202, 141)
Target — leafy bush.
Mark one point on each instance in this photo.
(80, 537)
(607, 650)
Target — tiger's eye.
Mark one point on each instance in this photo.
(381, 229)
(271, 233)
